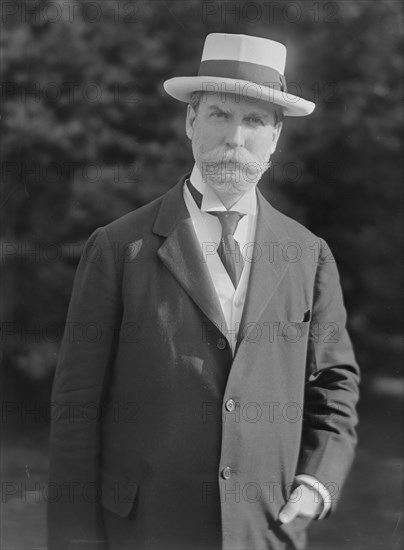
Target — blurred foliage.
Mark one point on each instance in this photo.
(88, 135)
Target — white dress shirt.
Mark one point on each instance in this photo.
(208, 230)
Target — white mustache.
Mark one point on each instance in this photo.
(234, 156)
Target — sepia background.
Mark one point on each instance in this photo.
(88, 134)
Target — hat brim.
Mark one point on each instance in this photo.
(181, 88)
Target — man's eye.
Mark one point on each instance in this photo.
(218, 114)
(255, 120)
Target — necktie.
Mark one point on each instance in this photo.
(228, 249)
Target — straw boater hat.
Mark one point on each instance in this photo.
(245, 65)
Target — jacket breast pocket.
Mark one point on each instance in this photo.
(302, 317)
(118, 493)
(296, 327)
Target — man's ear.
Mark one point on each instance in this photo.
(275, 136)
(189, 122)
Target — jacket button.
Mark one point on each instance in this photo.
(221, 343)
(226, 473)
(230, 405)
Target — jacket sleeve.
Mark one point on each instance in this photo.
(85, 360)
(331, 391)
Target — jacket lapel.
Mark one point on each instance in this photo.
(181, 253)
(267, 270)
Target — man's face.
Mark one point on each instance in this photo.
(232, 140)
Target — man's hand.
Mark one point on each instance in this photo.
(304, 501)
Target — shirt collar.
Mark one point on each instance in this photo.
(247, 204)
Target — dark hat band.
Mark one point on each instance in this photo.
(243, 70)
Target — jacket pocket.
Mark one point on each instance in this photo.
(303, 317)
(118, 493)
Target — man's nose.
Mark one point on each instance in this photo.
(235, 136)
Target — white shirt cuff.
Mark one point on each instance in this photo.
(321, 490)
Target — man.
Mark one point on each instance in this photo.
(206, 396)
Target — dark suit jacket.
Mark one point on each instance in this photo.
(146, 450)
